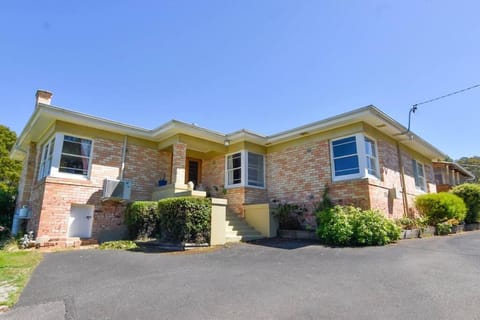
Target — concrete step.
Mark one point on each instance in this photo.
(242, 238)
(243, 234)
(237, 229)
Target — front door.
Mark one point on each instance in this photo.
(194, 171)
(80, 221)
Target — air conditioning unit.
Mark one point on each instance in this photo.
(121, 189)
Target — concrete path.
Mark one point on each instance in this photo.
(436, 278)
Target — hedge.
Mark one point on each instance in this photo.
(142, 219)
(440, 207)
(470, 193)
(185, 219)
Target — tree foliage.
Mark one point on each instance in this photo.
(9, 175)
(472, 164)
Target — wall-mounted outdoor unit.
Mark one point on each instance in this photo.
(24, 212)
(120, 189)
(394, 193)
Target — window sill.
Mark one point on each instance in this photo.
(234, 186)
(350, 178)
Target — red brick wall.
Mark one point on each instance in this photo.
(298, 174)
(213, 175)
(51, 198)
(236, 199)
(179, 156)
(165, 165)
(142, 166)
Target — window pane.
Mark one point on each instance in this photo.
(420, 170)
(76, 146)
(255, 170)
(371, 166)
(344, 149)
(234, 161)
(234, 176)
(72, 164)
(346, 165)
(342, 141)
(370, 147)
(52, 144)
(418, 174)
(234, 168)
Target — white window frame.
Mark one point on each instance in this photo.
(362, 158)
(54, 171)
(46, 158)
(244, 170)
(417, 178)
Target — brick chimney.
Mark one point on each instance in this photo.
(43, 96)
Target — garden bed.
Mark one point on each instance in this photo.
(410, 234)
(471, 226)
(427, 232)
(458, 228)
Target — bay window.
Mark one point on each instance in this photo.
(65, 156)
(245, 168)
(354, 157)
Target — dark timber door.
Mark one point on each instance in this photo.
(194, 171)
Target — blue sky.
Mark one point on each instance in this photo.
(262, 65)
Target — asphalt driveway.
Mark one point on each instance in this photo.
(436, 278)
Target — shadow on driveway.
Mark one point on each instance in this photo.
(288, 244)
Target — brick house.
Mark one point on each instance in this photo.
(363, 156)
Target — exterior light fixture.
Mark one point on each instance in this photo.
(226, 142)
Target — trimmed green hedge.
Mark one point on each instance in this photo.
(185, 219)
(440, 207)
(347, 225)
(470, 193)
(142, 219)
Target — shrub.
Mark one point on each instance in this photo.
(142, 219)
(408, 223)
(470, 193)
(289, 215)
(443, 228)
(439, 207)
(371, 228)
(335, 225)
(185, 219)
(353, 226)
(118, 245)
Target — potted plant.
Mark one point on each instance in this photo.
(162, 182)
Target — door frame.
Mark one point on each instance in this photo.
(187, 169)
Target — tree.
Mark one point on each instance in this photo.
(472, 164)
(10, 171)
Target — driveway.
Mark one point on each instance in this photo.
(436, 278)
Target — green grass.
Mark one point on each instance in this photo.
(118, 245)
(16, 268)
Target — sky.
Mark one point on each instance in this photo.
(262, 65)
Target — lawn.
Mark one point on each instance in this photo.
(15, 269)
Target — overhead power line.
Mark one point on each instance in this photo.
(446, 95)
(415, 106)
